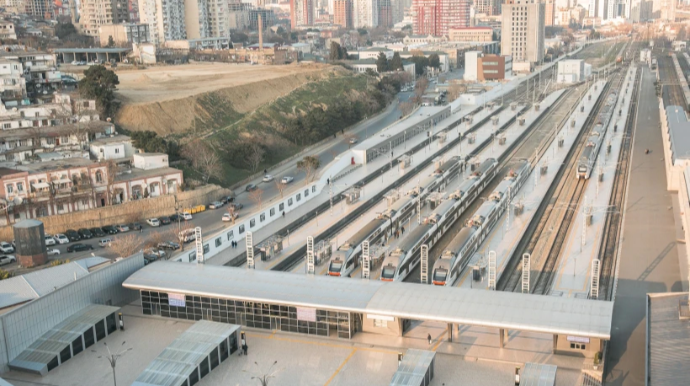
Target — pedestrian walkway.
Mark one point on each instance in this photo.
(584, 237)
(506, 235)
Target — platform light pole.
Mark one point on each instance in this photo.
(112, 358)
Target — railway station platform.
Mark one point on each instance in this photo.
(505, 237)
(511, 132)
(583, 242)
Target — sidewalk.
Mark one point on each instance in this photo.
(583, 242)
(505, 236)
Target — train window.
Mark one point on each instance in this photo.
(262, 217)
(272, 212)
(306, 193)
(219, 241)
(207, 248)
(241, 230)
(281, 207)
(252, 222)
(192, 256)
(289, 201)
(229, 235)
(299, 196)
(313, 189)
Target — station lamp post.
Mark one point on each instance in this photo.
(112, 358)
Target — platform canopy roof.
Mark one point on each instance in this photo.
(545, 314)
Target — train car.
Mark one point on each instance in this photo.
(400, 262)
(589, 154)
(401, 210)
(454, 258)
(427, 184)
(449, 168)
(345, 259)
(512, 182)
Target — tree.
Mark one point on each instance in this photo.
(150, 142)
(63, 30)
(255, 156)
(5, 274)
(126, 245)
(396, 63)
(203, 158)
(99, 83)
(334, 54)
(308, 165)
(256, 195)
(111, 171)
(421, 63)
(280, 186)
(111, 42)
(406, 107)
(232, 211)
(434, 61)
(382, 63)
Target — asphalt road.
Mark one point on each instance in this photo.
(649, 258)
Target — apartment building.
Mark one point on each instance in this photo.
(60, 110)
(385, 10)
(7, 30)
(436, 17)
(549, 12)
(488, 7)
(43, 9)
(301, 13)
(470, 34)
(365, 13)
(12, 82)
(238, 16)
(398, 10)
(197, 19)
(95, 13)
(342, 13)
(522, 33)
(40, 72)
(165, 18)
(124, 34)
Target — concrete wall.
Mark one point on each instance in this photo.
(23, 325)
(126, 212)
(393, 327)
(591, 346)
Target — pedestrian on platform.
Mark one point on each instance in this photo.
(428, 337)
(283, 214)
(244, 349)
(403, 230)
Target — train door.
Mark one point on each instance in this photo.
(275, 323)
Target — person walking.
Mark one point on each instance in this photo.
(428, 337)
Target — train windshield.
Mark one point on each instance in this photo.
(388, 272)
(440, 275)
(335, 266)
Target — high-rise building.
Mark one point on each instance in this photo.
(196, 19)
(435, 17)
(95, 13)
(166, 19)
(549, 12)
(398, 10)
(365, 13)
(238, 17)
(522, 30)
(488, 7)
(342, 13)
(385, 13)
(301, 13)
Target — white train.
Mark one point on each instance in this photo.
(347, 257)
(456, 255)
(401, 261)
(589, 154)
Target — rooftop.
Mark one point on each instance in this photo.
(119, 138)
(32, 285)
(679, 131)
(113, 50)
(668, 340)
(514, 311)
(55, 131)
(135, 173)
(57, 164)
(174, 365)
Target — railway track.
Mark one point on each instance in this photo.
(612, 226)
(524, 150)
(554, 215)
(671, 92)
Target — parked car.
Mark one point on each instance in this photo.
(165, 220)
(155, 251)
(97, 232)
(186, 216)
(122, 228)
(215, 205)
(72, 235)
(4, 260)
(148, 258)
(110, 229)
(188, 235)
(250, 187)
(103, 243)
(267, 178)
(61, 239)
(78, 247)
(6, 247)
(50, 240)
(135, 226)
(229, 199)
(85, 233)
(287, 180)
(53, 251)
(237, 206)
(154, 222)
(226, 217)
(353, 141)
(171, 245)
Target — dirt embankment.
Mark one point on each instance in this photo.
(201, 106)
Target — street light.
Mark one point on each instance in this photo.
(112, 358)
(263, 379)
